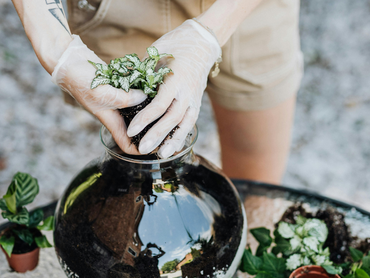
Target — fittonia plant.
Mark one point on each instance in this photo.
(129, 72)
(294, 245)
(306, 240)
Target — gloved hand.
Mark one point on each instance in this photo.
(74, 74)
(195, 50)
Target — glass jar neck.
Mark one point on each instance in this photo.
(152, 161)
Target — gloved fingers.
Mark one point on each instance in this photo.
(162, 128)
(153, 111)
(114, 122)
(74, 74)
(108, 97)
(176, 143)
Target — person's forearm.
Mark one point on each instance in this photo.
(224, 16)
(46, 27)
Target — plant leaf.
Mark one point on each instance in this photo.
(3, 205)
(35, 217)
(99, 80)
(285, 230)
(124, 83)
(264, 275)
(135, 74)
(250, 264)
(134, 59)
(273, 264)
(153, 52)
(356, 254)
(360, 273)
(366, 269)
(332, 269)
(8, 244)
(10, 197)
(48, 224)
(262, 235)
(312, 243)
(42, 242)
(22, 217)
(316, 228)
(282, 245)
(366, 262)
(24, 235)
(27, 188)
(300, 220)
(293, 262)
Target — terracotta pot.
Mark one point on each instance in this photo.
(311, 271)
(23, 262)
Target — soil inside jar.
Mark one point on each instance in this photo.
(21, 247)
(130, 112)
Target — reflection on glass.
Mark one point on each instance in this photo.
(176, 219)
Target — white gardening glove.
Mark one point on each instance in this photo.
(195, 50)
(74, 74)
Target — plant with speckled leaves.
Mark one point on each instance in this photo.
(129, 72)
(295, 245)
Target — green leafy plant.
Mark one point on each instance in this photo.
(22, 191)
(293, 245)
(360, 266)
(129, 72)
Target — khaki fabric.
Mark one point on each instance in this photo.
(262, 61)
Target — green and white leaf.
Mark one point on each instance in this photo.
(8, 244)
(300, 220)
(316, 228)
(134, 59)
(295, 242)
(153, 52)
(320, 260)
(134, 75)
(99, 80)
(293, 262)
(124, 83)
(21, 217)
(332, 269)
(42, 242)
(312, 243)
(285, 230)
(150, 65)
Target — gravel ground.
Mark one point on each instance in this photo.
(330, 151)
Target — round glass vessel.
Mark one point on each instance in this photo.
(143, 217)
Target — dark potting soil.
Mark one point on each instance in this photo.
(130, 112)
(21, 247)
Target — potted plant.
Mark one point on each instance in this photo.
(22, 240)
(128, 73)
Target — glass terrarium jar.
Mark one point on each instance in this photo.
(131, 216)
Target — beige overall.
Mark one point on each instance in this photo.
(262, 61)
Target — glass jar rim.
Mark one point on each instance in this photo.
(142, 161)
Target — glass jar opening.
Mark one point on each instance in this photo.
(112, 148)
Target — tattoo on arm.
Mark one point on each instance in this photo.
(56, 9)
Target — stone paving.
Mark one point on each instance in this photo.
(330, 153)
